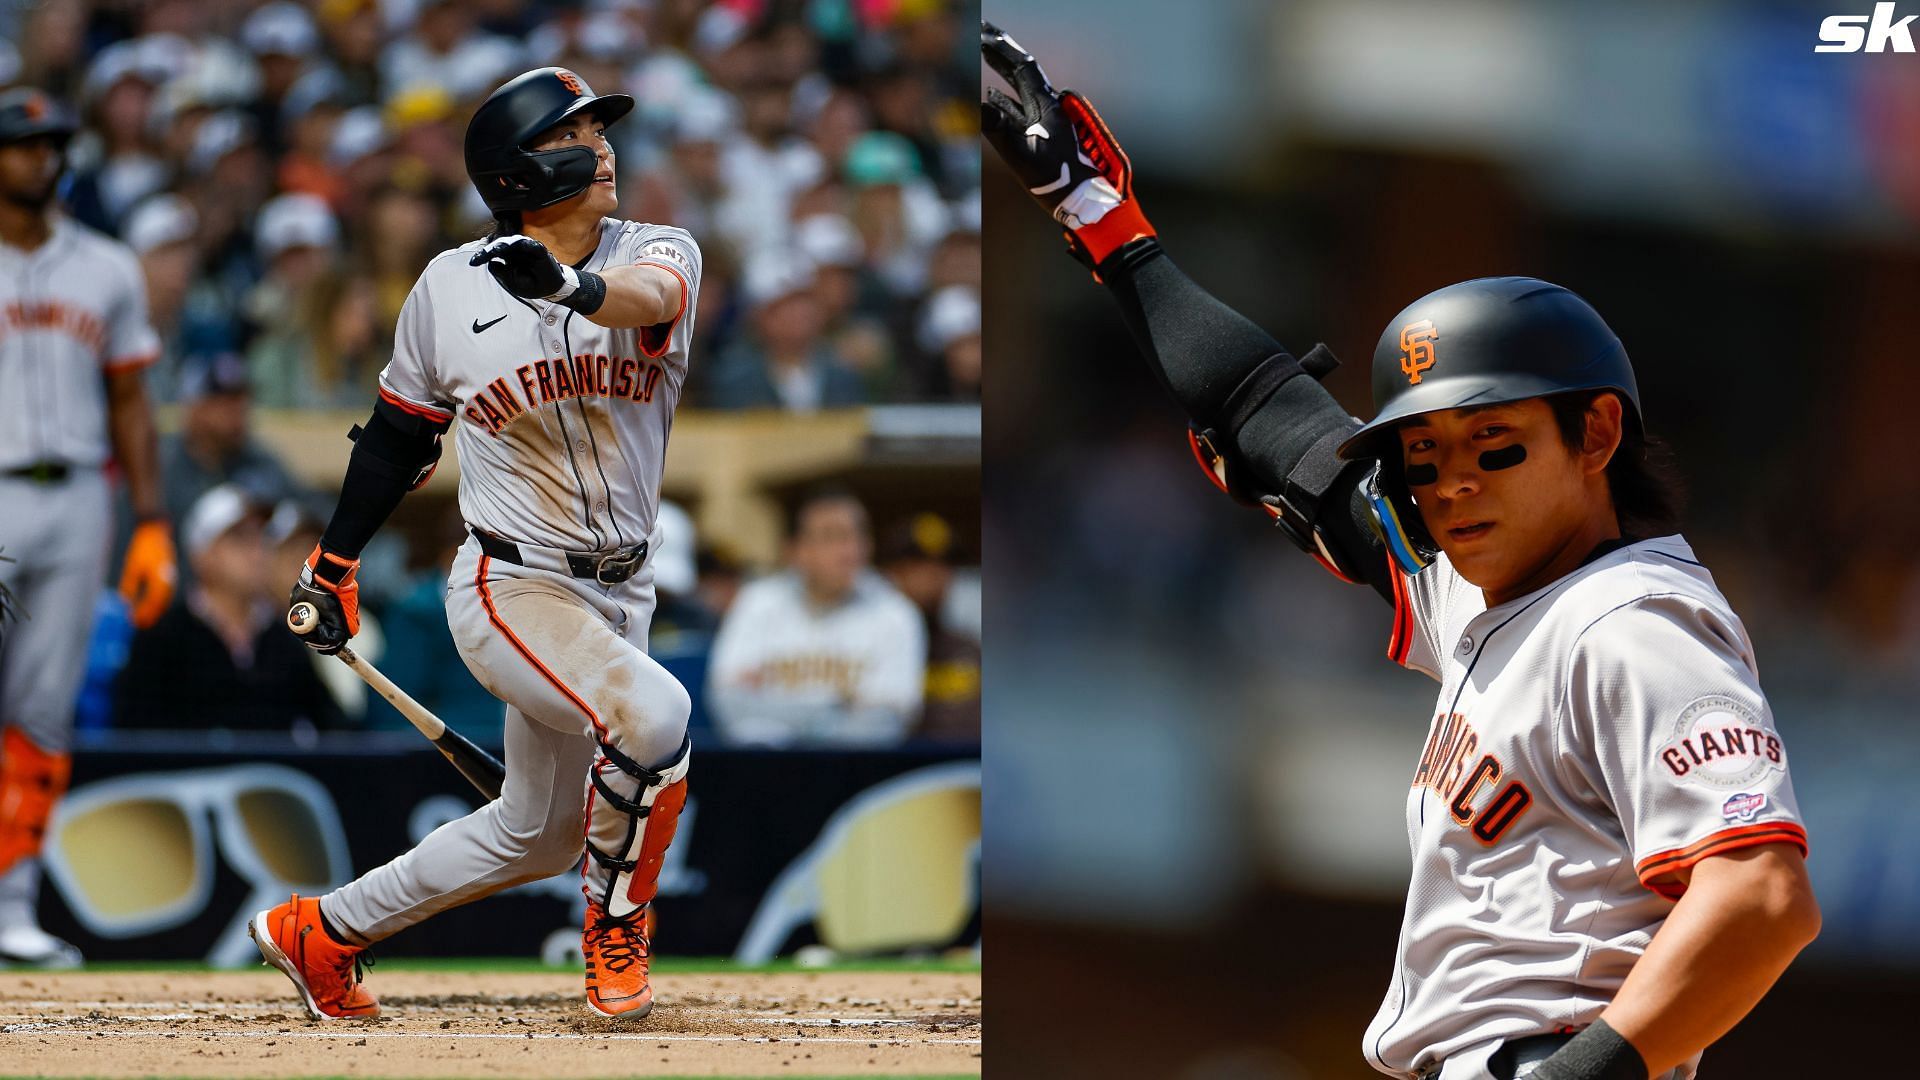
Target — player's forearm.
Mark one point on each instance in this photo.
(392, 455)
(638, 296)
(135, 445)
(1743, 919)
(1199, 347)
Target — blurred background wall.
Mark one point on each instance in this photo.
(1199, 750)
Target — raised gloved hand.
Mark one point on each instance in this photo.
(524, 267)
(330, 584)
(150, 573)
(1062, 152)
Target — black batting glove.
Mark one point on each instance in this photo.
(524, 267)
(330, 583)
(1061, 151)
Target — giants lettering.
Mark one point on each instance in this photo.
(1704, 746)
(1444, 768)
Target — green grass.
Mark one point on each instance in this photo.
(666, 965)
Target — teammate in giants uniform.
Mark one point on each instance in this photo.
(1608, 864)
(557, 349)
(74, 340)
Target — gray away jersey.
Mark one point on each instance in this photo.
(1591, 739)
(563, 423)
(70, 310)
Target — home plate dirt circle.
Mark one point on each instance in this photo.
(443, 1024)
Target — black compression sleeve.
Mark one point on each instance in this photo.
(387, 457)
(1199, 347)
(1227, 372)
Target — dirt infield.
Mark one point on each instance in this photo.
(448, 1024)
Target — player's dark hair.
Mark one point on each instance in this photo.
(504, 223)
(1648, 494)
(820, 496)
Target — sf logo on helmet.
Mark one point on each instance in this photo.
(571, 81)
(1416, 347)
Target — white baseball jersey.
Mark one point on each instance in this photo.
(563, 423)
(1591, 739)
(70, 309)
(784, 671)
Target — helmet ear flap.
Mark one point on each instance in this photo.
(1396, 520)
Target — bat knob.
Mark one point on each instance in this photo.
(302, 618)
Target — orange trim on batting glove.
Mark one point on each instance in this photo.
(1126, 222)
(341, 577)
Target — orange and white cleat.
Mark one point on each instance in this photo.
(326, 973)
(618, 951)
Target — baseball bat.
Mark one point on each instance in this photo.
(479, 767)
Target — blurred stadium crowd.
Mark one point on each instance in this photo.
(283, 170)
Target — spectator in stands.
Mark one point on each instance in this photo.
(851, 301)
(898, 213)
(161, 231)
(400, 232)
(785, 364)
(950, 337)
(354, 36)
(689, 189)
(282, 38)
(445, 49)
(221, 657)
(719, 573)
(678, 609)
(309, 117)
(825, 653)
(113, 163)
(918, 557)
(318, 344)
(215, 444)
(681, 637)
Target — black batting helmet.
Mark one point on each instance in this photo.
(1480, 342)
(512, 178)
(1484, 342)
(26, 113)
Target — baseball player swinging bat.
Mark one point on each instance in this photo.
(478, 766)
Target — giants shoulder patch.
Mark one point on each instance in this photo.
(670, 252)
(1719, 742)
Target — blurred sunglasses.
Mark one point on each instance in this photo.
(136, 855)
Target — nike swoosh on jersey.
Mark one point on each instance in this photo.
(479, 327)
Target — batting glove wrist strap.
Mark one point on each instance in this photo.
(330, 584)
(1598, 1053)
